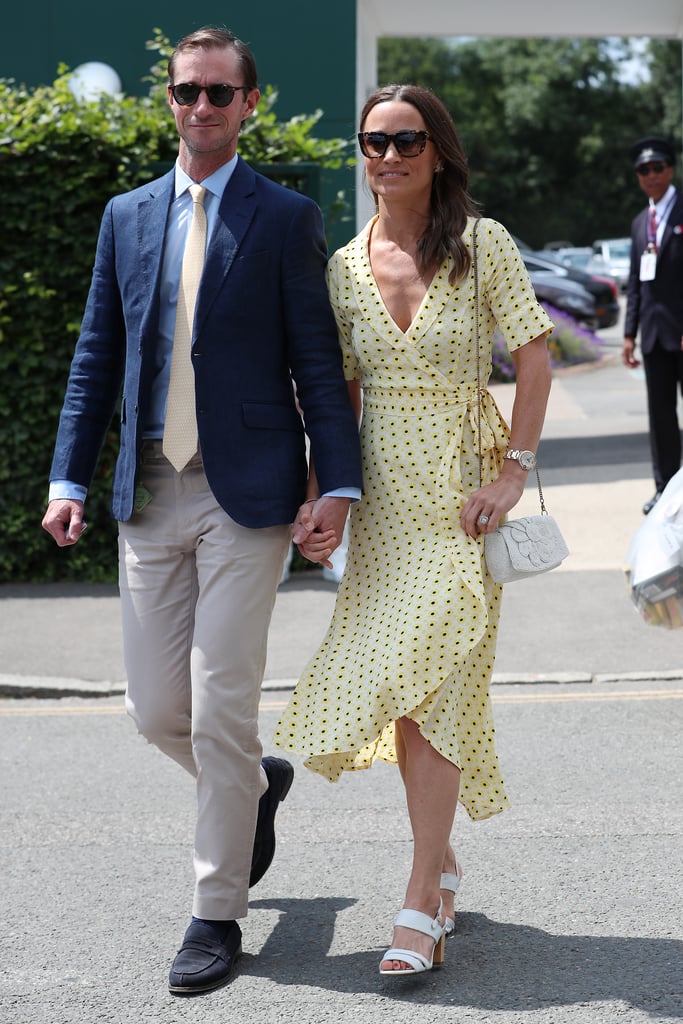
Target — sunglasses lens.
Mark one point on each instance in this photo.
(373, 144)
(646, 168)
(220, 95)
(409, 143)
(406, 143)
(185, 94)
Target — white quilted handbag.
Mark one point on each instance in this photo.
(524, 547)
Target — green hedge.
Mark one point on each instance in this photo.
(60, 161)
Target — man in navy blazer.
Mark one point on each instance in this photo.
(202, 543)
(655, 303)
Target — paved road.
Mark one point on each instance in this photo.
(570, 908)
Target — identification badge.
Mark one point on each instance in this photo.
(142, 498)
(648, 266)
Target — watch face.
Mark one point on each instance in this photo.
(527, 460)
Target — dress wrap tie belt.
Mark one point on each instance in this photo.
(467, 413)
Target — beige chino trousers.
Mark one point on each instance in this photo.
(197, 594)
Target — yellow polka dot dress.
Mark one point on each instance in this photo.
(414, 627)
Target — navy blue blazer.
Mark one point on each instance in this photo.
(657, 306)
(262, 318)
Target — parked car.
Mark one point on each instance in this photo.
(576, 256)
(605, 309)
(612, 256)
(567, 295)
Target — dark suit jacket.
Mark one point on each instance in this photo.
(262, 317)
(657, 306)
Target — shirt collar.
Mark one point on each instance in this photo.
(215, 183)
(666, 201)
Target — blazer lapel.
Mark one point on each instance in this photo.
(235, 214)
(640, 233)
(151, 230)
(673, 221)
(151, 226)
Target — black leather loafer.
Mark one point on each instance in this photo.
(649, 505)
(206, 958)
(280, 774)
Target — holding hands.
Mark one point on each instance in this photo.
(319, 527)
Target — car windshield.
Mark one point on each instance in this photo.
(619, 250)
(577, 259)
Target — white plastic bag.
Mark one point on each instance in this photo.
(655, 560)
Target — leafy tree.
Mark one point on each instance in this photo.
(662, 93)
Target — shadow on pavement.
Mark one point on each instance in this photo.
(601, 450)
(499, 966)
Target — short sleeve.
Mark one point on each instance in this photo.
(340, 292)
(508, 288)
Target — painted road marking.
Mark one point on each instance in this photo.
(273, 704)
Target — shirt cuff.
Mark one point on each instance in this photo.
(67, 489)
(344, 492)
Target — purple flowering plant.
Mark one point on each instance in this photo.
(568, 345)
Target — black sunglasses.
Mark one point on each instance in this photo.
(220, 95)
(406, 143)
(646, 168)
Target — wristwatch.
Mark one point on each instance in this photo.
(526, 459)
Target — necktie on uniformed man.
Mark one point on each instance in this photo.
(652, 227)
(180, 427)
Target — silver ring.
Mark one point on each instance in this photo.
(483, 520)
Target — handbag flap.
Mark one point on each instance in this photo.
(534, 543)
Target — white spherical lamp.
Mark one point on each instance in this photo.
(90, 80)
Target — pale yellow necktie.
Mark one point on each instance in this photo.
(180, 428)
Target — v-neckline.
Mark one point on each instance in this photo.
(378, 290)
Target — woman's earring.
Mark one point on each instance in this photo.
(438, 168)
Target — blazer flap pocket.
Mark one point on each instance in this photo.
(270, 416)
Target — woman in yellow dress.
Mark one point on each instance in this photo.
(404, 670)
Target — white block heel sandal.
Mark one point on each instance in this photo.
(419, 922)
